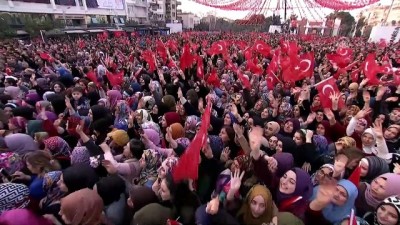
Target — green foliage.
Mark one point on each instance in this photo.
(347, 22)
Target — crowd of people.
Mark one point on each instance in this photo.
(200, 128)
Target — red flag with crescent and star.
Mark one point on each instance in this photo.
(299, 68)
(325, 89)
(371, 69)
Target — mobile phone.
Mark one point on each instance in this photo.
(5, 174)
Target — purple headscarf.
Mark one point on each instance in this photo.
(153, 136)
(285, 162)
(304, 187)
(20, 143)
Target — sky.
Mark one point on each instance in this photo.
(201, 10)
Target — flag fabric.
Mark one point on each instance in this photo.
(355, 176)
(161, 50)
(213, 79)
(325, 89)
(272, 80)
(186, 58)
(371, 68)
(188, 165)
(200, 67)
(92, 77)
(262, 48)
(148, 56)
(299, 68)
(115, 79)
(353, 218)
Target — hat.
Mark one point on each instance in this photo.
(120, 137)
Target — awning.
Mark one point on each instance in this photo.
(75, 31)
(95, 31)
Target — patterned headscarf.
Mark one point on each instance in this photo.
(245, 163)
(121, 120)
(393, 201)
(13, 196)
(80, 155)
(11, 162)
(190, 124)
(57, 146)
(146, 117)
(185, 142)
(170, 162)
(113, 96)
(321, 144)
(51, 188)
(153, 161)
(19, 122)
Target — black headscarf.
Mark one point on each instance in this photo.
(79, 176)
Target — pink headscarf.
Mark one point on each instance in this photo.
(113, 97)
(22, 217)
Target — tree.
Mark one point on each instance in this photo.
(347, 22)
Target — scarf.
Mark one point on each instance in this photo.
(13, 196)
(53, 192)
(245, 211)
(153, 161)
(57, 146)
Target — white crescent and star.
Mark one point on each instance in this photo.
(341, 52)
(308, 64)
(259, 48)
(220, 47)
(366, 66)
(327, 86)
(271, 79)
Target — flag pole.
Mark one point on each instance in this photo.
(321, 82)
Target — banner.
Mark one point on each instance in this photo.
(111, 4)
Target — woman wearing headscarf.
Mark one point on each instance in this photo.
(112, 190)
(291, 191)
(142, 116)
(388, 212)
(176, 200)
(372, 167)
(325, 171)
(258, 207)
(50, 205)
(373, 143)
(17, 124)
(331, 203)
(22, 217)
(392, 137)
(84, 207)
(190, 126)
(59, 148)
(13, 196)
(290, 127)
(39, 163)
(121, 115)
(80, 155)
(370, 195)
(166, 167)
(226, 192)
(76, 177)
(20, 143)
(149, 163)
(11, 162)
(113, 96)
(126, 164)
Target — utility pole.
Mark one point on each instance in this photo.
(285, 9)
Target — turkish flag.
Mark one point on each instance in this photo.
(148, 56)
(243, 79)
(213, 79)
(371, 68)
(188, 165)
(254, 68)
(354, 75)
(186, 58)
(200, 67)
(241, 45)
(299, 68)
(115, 78)
(272, 80)
(219, 47)
(344, 52)
(325, 89)
(338, 60)
(92, 77)
(262, 48)
(161, 50)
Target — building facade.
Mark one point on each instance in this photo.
(171, 11)
(382, 15)
(138, 11)
(77, 13)
(189, 20)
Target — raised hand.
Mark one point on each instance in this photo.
(225, 155)
(236, 180)
(362, 113)
(329, 114)
(377, 128)
(238, 129)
